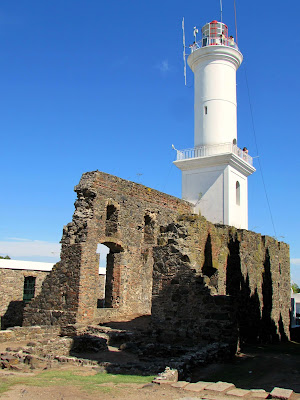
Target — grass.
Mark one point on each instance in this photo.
(4, 387)
(74, 377)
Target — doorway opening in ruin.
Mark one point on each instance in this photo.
(109, 274)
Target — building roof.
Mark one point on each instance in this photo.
(26, 265)
(296, 296)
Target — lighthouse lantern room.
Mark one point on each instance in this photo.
(215, 171)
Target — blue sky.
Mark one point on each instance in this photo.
(89, 85)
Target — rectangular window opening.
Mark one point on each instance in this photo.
(205, 110)
(29, 288)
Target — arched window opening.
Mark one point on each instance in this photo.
(111, 226)
(238, 193)
(109, 275)
(234, 142)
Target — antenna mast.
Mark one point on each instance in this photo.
(236, 36)
(221, 7)
(184, 58)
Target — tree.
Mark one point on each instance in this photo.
(5, 258)
(296, 288)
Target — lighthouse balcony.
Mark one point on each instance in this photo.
(213, 41)
(214, 150)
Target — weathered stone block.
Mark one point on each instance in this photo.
(220, 386)
(197, 387)
(180, 384)
(238, 392)
(279, 393)
(259, 393)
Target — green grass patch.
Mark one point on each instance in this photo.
(4, 387)
(75, 377)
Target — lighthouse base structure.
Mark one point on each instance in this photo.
(218, 187)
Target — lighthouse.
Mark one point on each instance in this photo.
(215, 171)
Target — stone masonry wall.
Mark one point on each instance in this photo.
(217, 283)
(101, 292)
(29, 333)
(124, 216)
(11, 289)
(200, 282)
(186, 305)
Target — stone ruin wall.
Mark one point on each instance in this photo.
(126, 217)
(199, 281)
(101, 291)
(219, 283)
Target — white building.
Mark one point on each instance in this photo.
(215, 171)
(26, 265)
(295, 310)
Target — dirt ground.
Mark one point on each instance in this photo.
(259, 367)
(104, 392)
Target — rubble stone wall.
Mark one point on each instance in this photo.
(29, 333)
(11, 289)
(124, 216)
(201, 282)
(101, 292)
(217, 283)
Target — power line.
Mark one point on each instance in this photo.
(168, 174)
(255, 140)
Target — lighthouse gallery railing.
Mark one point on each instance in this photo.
(213, 41)
(212, 150)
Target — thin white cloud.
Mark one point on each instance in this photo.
(29, 248)
(295, 261)
(164, 66)
(15, 239)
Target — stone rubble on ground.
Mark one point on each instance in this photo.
(180, 384)
(197, 387)
(259, 393)
(219, 386)
(221, 390)
(238, 392)
(279, 393)
(168, 376)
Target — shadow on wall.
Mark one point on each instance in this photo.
(186, 306)
(208, 269)
(13, 315)
(254, 320)
(184, 310)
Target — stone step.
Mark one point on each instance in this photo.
(111, 335)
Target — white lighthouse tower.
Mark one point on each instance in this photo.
(215, 171)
